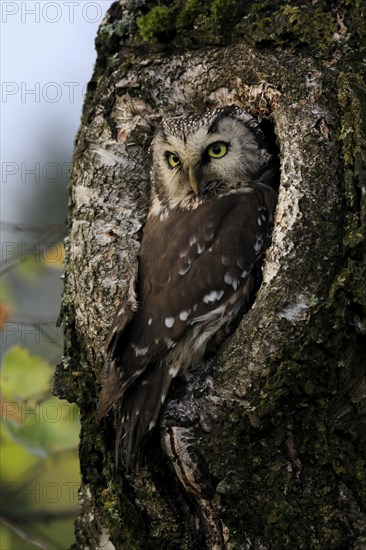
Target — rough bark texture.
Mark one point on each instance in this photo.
(263, 447)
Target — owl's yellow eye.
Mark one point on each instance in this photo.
(173, 160)
(217, 150)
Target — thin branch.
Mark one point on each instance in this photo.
(22, 534)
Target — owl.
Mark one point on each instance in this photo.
(208, 227)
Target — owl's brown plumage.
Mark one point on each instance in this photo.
(203, 241)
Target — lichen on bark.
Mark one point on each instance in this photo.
(278, 417)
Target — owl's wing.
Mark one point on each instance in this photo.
(191, 265)
(193, 262)
(112, 388)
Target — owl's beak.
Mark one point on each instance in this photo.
(193, 180)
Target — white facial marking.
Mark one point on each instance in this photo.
(169, 322)
(183, 316)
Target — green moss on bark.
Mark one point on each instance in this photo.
(157, 25)
(319, 28)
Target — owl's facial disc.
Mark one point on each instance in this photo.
(201, 157)
(193, 172)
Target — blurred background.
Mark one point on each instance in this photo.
(47, 57)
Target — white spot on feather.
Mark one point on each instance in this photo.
(140, 352)
(183, 316)
(258, 244)
(228, 279)
(173, 371)
(170, 343)
(149, 321)
(183, 270)
(169, 322)
(240, 262)
(213, 296)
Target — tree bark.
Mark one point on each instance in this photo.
(263, 447)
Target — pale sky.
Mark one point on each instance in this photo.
(47, 58)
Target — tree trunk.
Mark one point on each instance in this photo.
(263, 447)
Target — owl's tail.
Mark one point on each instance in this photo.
(141, 404)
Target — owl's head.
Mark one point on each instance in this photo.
(201, 156)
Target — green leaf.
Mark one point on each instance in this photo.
(24, 376)
(51, 426)
(18, 459)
